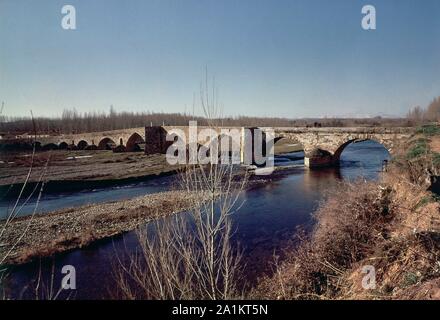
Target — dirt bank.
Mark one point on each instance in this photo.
(78, 170)
(81, 165)
(62, 230)
(82, 170)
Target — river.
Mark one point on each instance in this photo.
(270, 214)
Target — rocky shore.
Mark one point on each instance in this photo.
(46, 234)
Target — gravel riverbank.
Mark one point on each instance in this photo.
(67, 229)
(88, 167)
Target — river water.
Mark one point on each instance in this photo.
(266, 222)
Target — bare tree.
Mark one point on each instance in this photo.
(190, 256)
(431, 113)
(19, 204)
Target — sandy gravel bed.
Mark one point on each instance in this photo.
(81, 166)
(66, 229)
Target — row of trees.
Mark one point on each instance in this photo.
(72, 121)
(430, 113)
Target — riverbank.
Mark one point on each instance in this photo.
(74, 170)
(48, 233)
(388, 231)
(59, 231)
(391, 228)
(77, 170)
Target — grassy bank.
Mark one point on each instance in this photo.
(392, 225)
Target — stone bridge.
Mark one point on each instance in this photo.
(322, 146)
(130, 139)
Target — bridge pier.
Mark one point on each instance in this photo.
(156, 140)
(253, 146)
(319, 158)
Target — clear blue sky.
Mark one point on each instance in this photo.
(289, 58)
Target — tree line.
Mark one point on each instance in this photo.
(419, 115)
(72, 121)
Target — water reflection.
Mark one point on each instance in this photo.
(57, 201)
(272, 210)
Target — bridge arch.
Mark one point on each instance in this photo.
(82, 145)
(337, 154)
(283, 145)
(106, 144)
(135, 143)
(63, 145)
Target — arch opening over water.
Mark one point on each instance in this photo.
(106, 144)
(366, 154)
(358, 142)
(82, 145)
(63, 145)
(284, 145)
(288, 151)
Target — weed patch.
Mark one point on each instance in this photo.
(419, 148)
(429, 130)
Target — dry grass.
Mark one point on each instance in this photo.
(349, 224)
(435, 144)
(364, 224)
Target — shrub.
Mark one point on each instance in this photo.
(420, 147)
(429, 130)
(350, 222)
(436, 159)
